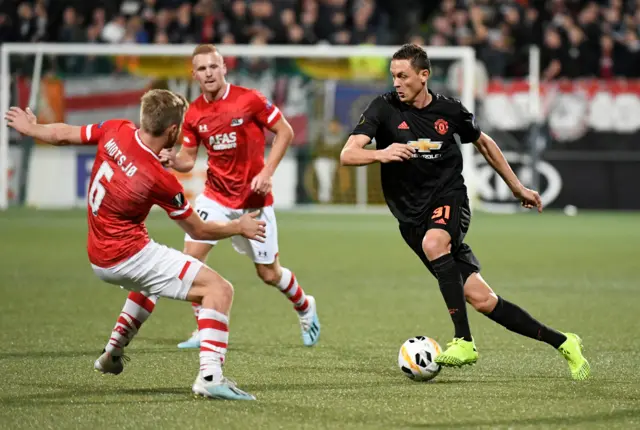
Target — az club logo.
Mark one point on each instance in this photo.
(425, 145)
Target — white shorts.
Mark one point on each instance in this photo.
(156, 269)
(261, 253)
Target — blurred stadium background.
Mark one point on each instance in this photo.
(585, 150)
(555, 82)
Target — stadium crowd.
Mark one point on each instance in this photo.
(579, 38)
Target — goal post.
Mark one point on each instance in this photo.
(465, 55)
(536, 114)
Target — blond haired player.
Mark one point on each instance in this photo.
(229, 121)
(127, 179)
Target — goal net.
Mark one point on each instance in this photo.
(322, 90)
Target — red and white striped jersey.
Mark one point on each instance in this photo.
(127, 179)
(232, 131)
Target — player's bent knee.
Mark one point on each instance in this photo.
(218, 295)
(485, 305)
(436, 243)
(479, 294)
(211, 290)
(223, 288)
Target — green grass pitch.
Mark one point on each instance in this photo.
(574, 273)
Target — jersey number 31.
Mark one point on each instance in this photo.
(97, 190)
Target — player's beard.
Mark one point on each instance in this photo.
(172, 139)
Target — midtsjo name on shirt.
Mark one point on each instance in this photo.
(114, 152)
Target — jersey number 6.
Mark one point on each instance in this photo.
(97, 191)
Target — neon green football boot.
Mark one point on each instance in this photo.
(459, 353)
(571, 350)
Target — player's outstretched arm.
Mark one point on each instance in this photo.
(24, 121)
(247, 225)
(494, 156)
(354, 153)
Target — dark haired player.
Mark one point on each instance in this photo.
(423, 186)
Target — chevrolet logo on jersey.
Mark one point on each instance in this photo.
(425, 145)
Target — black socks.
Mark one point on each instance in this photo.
(514, 318)
(452, 289)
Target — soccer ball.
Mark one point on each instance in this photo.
(416, 358)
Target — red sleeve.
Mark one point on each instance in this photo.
(189, 134)
(265, 112)
(170, 197)
(92, 133)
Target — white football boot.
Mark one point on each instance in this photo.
(309, 323)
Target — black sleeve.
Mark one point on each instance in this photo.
(371, 118)
(468, 129)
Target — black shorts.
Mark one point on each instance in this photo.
(450, 213)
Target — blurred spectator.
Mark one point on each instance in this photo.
(581, 58)
(364, 22)
(239, 22)
(166, 29)
(309, 18)
(71, 30)
(331, 21)
(606, 57)
(114, 30)
(206, 23)
(42, 22)
(327, 159)
(631, 62)
(26, 23)
(552, 56)
(263, 20)
(99, 19)
(6, 27)
(135, 32)
(185, 25)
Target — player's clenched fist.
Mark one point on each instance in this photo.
(261, 184)
(529, 198)
(251, 228)
(395, 152)
(167, 157)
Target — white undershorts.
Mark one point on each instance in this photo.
(259, 252)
